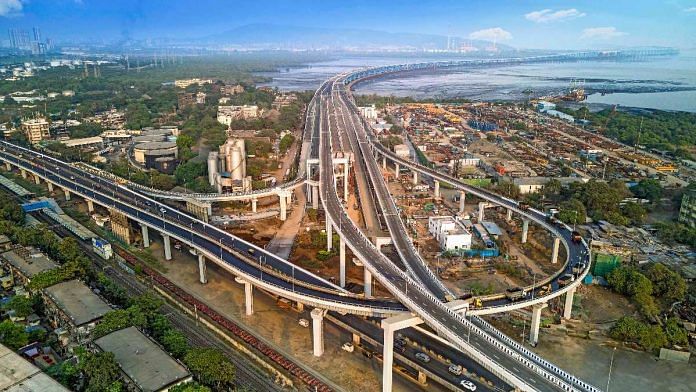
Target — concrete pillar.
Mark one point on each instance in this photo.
(384, 163)
(482, 209)
(315, 197)
(387, 356)
(253, 205)
(90, 205)
(525, 230)
(509, 215)
(24, 173)
(248, 298)
(345, 181)
(167, 247)
(568, 306)
(422, 378)
(300, 307)
(202, 275)
(8, 166)
(342, 266)
(146, 236)
(67, 193)
(329, 235)
(437, 189)
(37, 179)
(318, 331)
(290, 193)
(356, 339)
(554, 251)
(415, 177)
(283, 207)
(396, 170)
(536, 323)
(462, 201)
(50, 186)
(367, 276)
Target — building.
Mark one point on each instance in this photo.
(402, 151)
(85, 142)
(19, 375)
(543, 106)
(144, 364)
(687, 212)
(449, 232)
(74, 309)
(369, 112)
(36, 129)
(186, 99)
(227, 167)
(183, 83)
(200, 98)
(534, 184)
(283, 100)
(232, 90)
(589, 154)
(227, 114)
(25, 263)
(147, 153)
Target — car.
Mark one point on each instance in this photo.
(72, 177)
(162, 210)
(455, 369)
(303, 322)
(423, 357)
(566, 279)
(348, 346)
(468, 385)
(578, 268)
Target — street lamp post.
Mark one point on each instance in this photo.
(611, 365)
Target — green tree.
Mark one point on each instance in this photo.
(667, 283)
(648, 189)
(101, 371)
(189, 387)
(653, 338)
(572, 211)
(21, 305)
(210, 367)
(627, 329)
(675, 333)
(634, 212)
(175, 343)
(13, 335)
(286, 142)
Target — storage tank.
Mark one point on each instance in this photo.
(242, 150)
(236, 166)
(212, 167)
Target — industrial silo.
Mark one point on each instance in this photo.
(212, 167)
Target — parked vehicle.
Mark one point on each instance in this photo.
(423, 357)
(466, 384)
(455, 369)
(348, 346)
(303, 322)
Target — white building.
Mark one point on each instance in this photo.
(449, 232)
(183, 83)
(369, 112)
(402, 150)
(227, 114)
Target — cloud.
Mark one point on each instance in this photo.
(691, 10)
(549, 15)
(10, 7)
(493, 34)
(601, 33)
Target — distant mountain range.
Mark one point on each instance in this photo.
(272, 36)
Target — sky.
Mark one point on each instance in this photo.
(519, 23)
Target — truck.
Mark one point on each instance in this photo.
(515, 294)
(575, 236)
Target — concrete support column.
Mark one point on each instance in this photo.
(342, 265)
(462, 201)
(482, 209)
(8, 166)
(396, 170)
(384, 163)
(568, 305)
(24, 173)
(437, 189)
(554, 251)
(90, 205)
(525, 230)
(37, 179)
(345, 181)
(253, 205)
(50, 186)
(300, 307)
(329, 235)
(315, 197)
(367, 276)
(248, 298)
(387, 356)
(167, 247)
(422, 378)
(509, 215)
(318, 331)
(67, 193)
(290, 193)
(415, 177)
(536, 323)
(146, 236)
(283, 207)
(202, 275)
(356, 339)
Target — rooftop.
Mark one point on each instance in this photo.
(19, 375)
(144, 362)
(77, 301)
(28, 261)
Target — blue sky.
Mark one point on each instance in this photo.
(524, 24)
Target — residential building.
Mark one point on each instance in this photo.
(19, 375)
(284, 100)
(183, 83)
(449, 232)
(200, 98)
(25, 263)
(186, 99)
(402, 151)
(36, 129)
(227, 114)
(143, 363)
(74, 309)
(369, 112)
(687, 212)
(232, 90)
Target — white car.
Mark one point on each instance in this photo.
(423, 357)
(455, 369)
(468, 385)
(303, 322)
(348, 346)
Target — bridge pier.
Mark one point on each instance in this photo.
(437, 189)
(415, 177)
(536, 323)
(283, 207)
(509, 215)
(318, 331)
(8, 167)
(23, 172)
(396, 170)
(568, 305)
(67, 193)
(329, 235)
(342, 261)
(462, 201)
(248, 298)
(90, 206)
(202, 275)
(253, 205)
(422, 378)
(481, 210)
(554, 252)
(167, 247)
(37, 179)
(346, 168)
(367, 277)
(289, 194)
(146, 236)
(525, 230)
(50, 186)
(391, 325)
(315, 197)
(384, 162)
(356, 339)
